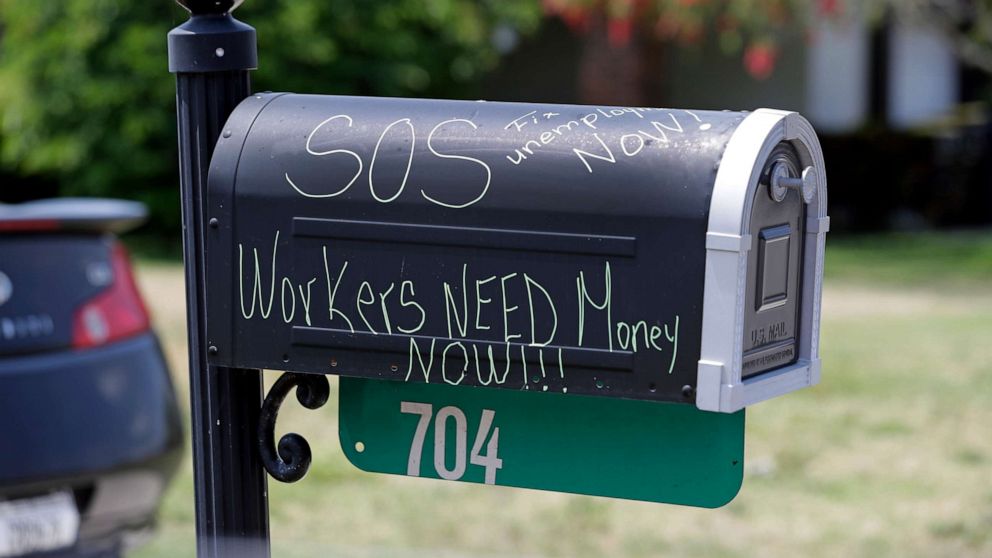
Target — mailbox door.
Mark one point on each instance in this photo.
(772, 299)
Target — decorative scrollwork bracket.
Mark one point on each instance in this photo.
(292, 459)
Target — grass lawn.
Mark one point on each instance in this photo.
(890, 456)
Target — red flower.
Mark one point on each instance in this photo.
(691, 33)
(667, 26)
(618, 30)
(830, 7)
(576, 19)
(759, 60)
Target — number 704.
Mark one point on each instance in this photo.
(488, 460)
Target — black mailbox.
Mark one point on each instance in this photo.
(655, 254)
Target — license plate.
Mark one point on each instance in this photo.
(38, 524)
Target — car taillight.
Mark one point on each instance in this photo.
(116, 312)
(29, 225)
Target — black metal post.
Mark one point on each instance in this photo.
(211, 55)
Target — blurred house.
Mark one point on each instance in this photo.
(904, 124)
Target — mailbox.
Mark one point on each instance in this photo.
(653, 254)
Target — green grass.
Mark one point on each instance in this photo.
(890, 456)
(911, 258)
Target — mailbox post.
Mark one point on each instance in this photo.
(211, 55)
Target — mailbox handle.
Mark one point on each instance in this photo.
(782, 182)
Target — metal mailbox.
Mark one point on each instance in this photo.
(651, 254)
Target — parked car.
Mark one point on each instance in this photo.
(90, 432)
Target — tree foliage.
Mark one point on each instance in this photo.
(86, 97)
(967, 22)
(752, 26)
(755, 28)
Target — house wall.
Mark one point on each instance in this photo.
(923, 76)
(838, 62)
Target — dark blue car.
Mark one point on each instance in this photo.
(90, 433)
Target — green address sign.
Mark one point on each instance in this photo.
(637, 450)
